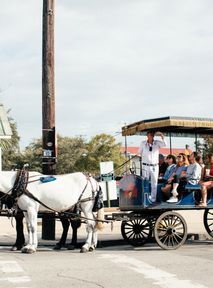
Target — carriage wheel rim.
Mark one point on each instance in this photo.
(170, 230)
(136, 231)
(208, 221)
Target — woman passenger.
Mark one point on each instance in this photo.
(199, 160)
(171, 164)
(208, 175)
(179, 171)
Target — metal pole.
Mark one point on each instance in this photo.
(48, 106)
(196, 144)
(126, 152)
(170, 142)
(107, 194)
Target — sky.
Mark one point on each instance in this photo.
(116, 62)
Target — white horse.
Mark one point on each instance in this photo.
(60, 195)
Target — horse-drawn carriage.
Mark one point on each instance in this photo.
(141, 219)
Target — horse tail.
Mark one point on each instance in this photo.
(100, 218)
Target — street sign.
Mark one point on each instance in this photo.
(107, 177)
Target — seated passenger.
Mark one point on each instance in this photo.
(162, 165)
(171, 165)
(206, 185)
(199, 160)
(192, 177)
(179, 171)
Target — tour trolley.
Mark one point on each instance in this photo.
(140, 218)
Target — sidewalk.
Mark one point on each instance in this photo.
(111, 234)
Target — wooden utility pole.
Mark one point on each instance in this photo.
(48, 106)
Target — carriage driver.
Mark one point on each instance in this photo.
(149, 151)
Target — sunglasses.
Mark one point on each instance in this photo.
(150, 148)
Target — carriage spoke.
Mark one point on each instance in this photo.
(180, 236)
(143, 232)
(166, 238)
(129, 224)
(175, 238)
(130, 235)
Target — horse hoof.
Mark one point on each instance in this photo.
(24, 250)
(70, 247)
(57, 247)
(83, 250)
(91, 249)
(31, 251)
(28, 250)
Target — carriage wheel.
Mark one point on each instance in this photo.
(208, 221)
(137, 231)
(170, 230)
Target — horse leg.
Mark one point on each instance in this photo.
(92, 227)
(20, 240)
(65, 224)
(94, 240)
(31, 220)
(88, 246)
(75, 224)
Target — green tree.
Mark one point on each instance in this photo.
(208, 144)
(69, 152)
(100, 148)
(33, 155)
(10, 148)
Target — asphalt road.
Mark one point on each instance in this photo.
(117, 266)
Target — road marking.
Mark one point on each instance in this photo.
(162, 278)
(17, 279)
(10, 267)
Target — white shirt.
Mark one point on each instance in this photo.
(151, 157)
(193, 173)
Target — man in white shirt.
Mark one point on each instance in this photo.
(149, 151)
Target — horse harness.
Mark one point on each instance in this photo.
(20, 188)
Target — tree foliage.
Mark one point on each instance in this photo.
(100, 148)
(69, 152)
(208, 144)
(10, 148)
(33, 155)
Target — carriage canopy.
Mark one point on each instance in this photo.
(178, 126)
